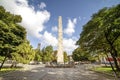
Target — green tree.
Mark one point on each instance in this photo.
(102, 33)
(65, 57)
(54, 59)
(80, 55)
(11, 33)
(38, 55)
(47, 54)
(24, 53)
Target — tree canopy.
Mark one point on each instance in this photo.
(65, 56)
(11, 33)
(102, 33)
(80, 55)
(47, 53)
(24, 53)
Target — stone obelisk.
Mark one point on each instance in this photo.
(60, 42)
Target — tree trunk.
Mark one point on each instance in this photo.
(14, 64)
(110, 63)
(3, 62)
(4, 59)
(112, 67)
(114, 56)
(113, 51)
(116, 63)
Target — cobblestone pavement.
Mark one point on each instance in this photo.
(41, 73)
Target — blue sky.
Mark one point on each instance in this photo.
(40, 18)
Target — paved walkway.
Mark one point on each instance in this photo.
(41, 73)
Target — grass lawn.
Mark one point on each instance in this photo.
(5, 70)
(103, 69)
(107, 70)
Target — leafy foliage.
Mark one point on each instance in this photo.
(11, 33)
(38, 55)
(102, 32)
(65, 57)
(47, 54)
(54, 59)
(24, 53)
(80, 55)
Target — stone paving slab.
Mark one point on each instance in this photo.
(73, 74)
(41, 73)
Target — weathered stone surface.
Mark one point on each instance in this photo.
(60, 41)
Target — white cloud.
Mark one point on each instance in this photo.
(49, 39)
(68, 44)
(70, 26)
(55, 29)
(42, 5)
(32, 21)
